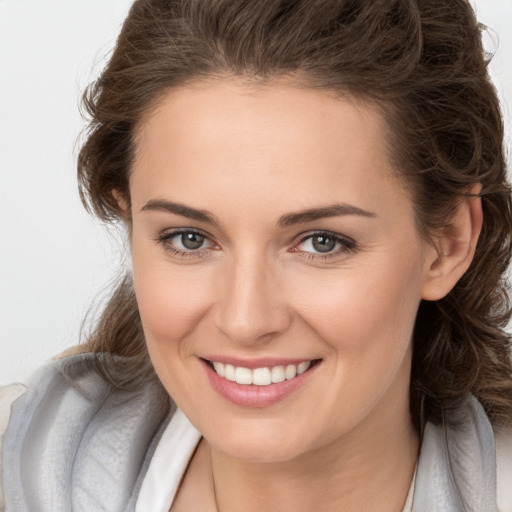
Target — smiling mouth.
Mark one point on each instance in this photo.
(264, 376)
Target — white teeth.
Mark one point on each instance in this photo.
(230, 372)
(290, 372)
(303, 367)
(278, 374)
(243, 375)
(260, 376)
(220, 369)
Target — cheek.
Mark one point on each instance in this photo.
(171, 299)
(365, 307)
(366, 318)
(172, 303)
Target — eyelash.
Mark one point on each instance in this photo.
(165, 239)
(347, 244)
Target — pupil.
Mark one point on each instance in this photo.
(323, 243)
(192, 240)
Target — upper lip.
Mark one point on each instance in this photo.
(260, 362)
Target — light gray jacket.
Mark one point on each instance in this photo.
(73, 443)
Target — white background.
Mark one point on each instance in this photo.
(54, 259)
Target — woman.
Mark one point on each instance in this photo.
(319, 222)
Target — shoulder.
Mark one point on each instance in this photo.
(464, 463)
(504, 469)
(8, 394)
(83, 436)
(74, 383)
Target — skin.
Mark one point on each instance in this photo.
(257, 288)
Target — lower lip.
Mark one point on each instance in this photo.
(252, 395)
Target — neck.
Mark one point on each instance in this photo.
(368, 470)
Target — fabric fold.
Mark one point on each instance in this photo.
(457, 464)
(79, 444)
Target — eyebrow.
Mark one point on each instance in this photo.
(290, 219)
(180, 209)
(313, 214)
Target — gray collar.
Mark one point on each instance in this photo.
(457, 465)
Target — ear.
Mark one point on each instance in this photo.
(454, 247)
(122, 203)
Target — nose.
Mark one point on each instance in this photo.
(250, 306)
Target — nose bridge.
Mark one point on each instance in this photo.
(250, 307)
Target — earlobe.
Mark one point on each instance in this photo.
(454, 247)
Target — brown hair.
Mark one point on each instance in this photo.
(422, 63)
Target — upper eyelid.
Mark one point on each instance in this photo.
(171, 232)
(183, 230)
(338, 236)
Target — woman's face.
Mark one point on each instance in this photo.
(270, 235)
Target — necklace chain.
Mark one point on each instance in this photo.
(213, 478)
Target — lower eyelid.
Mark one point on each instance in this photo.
(173, 251)
(186, 254)
(333, 254)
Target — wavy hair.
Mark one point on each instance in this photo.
(421, 62)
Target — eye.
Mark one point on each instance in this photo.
(185, 242)
(320, 243)
(189, 241)
(324, 244)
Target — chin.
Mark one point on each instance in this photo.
(261, 452)
(261, 443)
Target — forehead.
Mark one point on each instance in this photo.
(294, 144)
(236, 106)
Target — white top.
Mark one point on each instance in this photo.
(169, 462)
